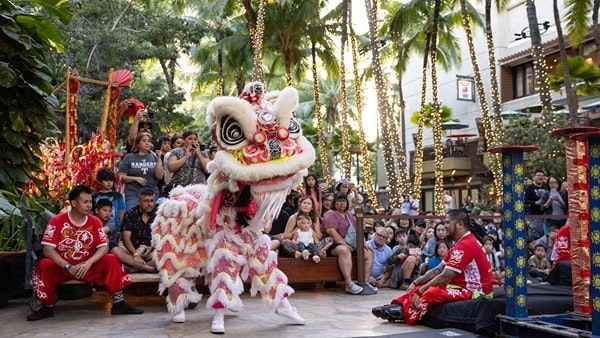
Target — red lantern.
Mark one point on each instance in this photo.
(131, 107)
(73, 86)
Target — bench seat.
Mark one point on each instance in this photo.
(297, 271)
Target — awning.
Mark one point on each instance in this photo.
(452, 125)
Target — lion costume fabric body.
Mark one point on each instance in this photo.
(218, 230)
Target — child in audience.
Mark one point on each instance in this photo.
(539, 266)
(106, 178)
(530, 242)
(494, 259)
(306, 239)
(103, 211)
(405, 262)
(441, 249)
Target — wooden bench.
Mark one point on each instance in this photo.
(297, 271)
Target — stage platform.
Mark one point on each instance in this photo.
(480, 315)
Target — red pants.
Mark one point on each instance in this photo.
(107, 272)
(433, 295)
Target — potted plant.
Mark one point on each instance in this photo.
(14, 224)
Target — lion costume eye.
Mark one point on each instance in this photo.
(231, 133)
(294, 128)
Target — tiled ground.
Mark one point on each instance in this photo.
(329, 313)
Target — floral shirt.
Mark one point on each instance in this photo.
(74, 243)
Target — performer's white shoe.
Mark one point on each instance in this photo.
(179, 317)
(287, 311)
(218, 322)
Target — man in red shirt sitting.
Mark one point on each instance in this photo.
(465, 273)
(76, 247)
(560, 274)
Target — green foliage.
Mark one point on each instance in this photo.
(13, 224)
(26, 104)
(550, 156)
(142, 37)
(585, 77)
(446, 116)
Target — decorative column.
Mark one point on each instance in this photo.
(585, 239)
(578, 162)
(513, 196)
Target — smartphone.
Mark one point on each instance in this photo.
(202, 147)
(150, 115)
(414, 251)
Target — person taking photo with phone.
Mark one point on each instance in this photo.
(187, 163)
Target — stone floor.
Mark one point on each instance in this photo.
(329, 312)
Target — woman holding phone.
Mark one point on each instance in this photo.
(187, 163)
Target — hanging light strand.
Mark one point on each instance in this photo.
(346, 158)
(364, 150)
(257, 41)
(320, 131)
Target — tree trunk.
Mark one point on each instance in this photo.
(497, 127)
(384, 110)
(438, 186)
(564, 60)
(539, 66)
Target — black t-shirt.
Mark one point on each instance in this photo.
(141, 233)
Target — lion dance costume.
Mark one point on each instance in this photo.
(218, 230)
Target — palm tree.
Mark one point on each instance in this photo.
(578, 23)
(418, 21)
(490, 123)
(495, 128)
(571, 98)
(539, 68)
(395, 159)
(318, 30)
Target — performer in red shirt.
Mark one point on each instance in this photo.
(465, 273)
(75, 247)
(561, 272)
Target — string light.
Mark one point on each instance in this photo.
(346, 158)
(320, 132)
(257, 34)
(364, 151)
(490, 128)
(395, 160)
(438, 186)
(418, 170)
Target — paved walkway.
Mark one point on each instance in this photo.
(328, 312)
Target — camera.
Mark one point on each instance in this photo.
(150, 115)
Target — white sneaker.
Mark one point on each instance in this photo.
(354, 288)
(218, 325)
(291, 314)
(179, 317)
(316, 258)
(305, 254)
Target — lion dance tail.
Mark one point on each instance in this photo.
(178, 240)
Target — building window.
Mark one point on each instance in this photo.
(523, 80)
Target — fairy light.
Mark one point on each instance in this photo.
(497, 131)
(346, 158)
(368, 173)
(320, 132)
(438, 186)
(257, 34)
(220, 85)
(418, 167)
(540, 69)
(490, 128)
(395, 161)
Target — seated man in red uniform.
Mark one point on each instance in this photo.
(465, 273)
(75, 247)
(561, 271)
